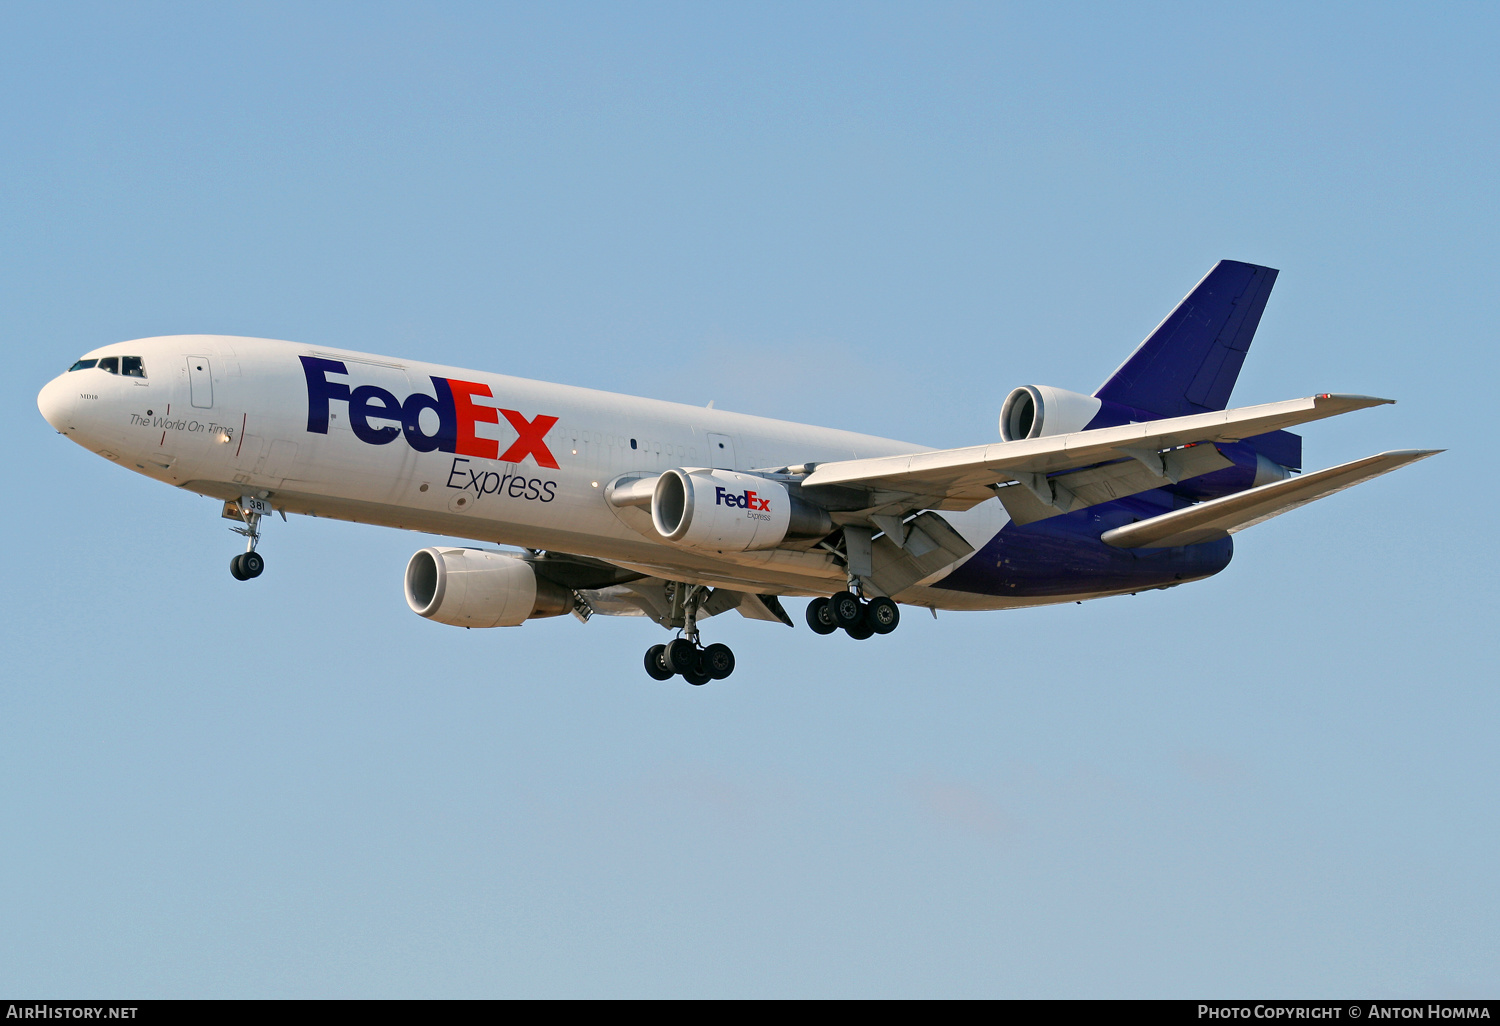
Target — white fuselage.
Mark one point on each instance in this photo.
(227, 416)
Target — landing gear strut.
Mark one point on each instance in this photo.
(848, 609)
(248, 564)
(686, 655)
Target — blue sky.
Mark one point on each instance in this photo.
(1282, 781)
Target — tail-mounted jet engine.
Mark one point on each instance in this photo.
(724, 510)
(1036, 411)
(474, 588)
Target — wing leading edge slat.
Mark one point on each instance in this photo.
(964, 476)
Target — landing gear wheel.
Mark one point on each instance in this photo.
(251, 564)
(846, 608)
(717, 661)
(860, 631)
(882, 615)
(656, 663)
(235, 568)
(696, 679)
(820, 617)
(681, 657)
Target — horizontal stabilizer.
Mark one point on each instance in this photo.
(1217, 518)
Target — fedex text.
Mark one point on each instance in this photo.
(376, 416)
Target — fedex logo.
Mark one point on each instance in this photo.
(457, 416)
(745, 500)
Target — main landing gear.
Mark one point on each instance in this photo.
(697, 665)
(858, 618)
(686, 655)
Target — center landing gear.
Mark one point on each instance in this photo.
(858, 618)
(686, 656)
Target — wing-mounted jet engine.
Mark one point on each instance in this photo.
(723, 510)
(475, 588)
(729, 510)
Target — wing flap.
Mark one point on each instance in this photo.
(1217, 518)
(1041, 497)
(931, 544)
(965, 474)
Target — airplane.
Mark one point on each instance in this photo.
(617, 505)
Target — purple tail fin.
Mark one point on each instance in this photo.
(1190, 362)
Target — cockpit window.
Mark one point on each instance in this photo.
(110, 364)
(131, 367)
(83, 365)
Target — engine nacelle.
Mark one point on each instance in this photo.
(1035, 411)
(473, 588)
(727, 511)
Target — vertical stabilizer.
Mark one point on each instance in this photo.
(1190, 362)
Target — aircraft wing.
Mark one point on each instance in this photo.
(960, 478)
(1216, 518)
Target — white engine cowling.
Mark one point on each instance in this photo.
(473, 588)
(1035, 411)
(727, 511)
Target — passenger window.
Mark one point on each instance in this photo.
(131, 367)
(83, 365)
(110, 364)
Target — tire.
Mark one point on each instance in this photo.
(251, 564)
(656, 664)
(696, 679)
(681, 657)
(846, 608)
(820, 617)
(234, 568)
(718, 661)
(882, 615)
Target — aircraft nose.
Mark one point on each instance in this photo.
(56, 401)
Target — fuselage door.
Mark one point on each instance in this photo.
(201, 381)
(721, 452)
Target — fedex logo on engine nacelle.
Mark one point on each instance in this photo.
(745, 500)
(457, 416)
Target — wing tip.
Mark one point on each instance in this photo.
(1355, 399)
(1412, 455)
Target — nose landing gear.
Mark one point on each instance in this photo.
(249, 509)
